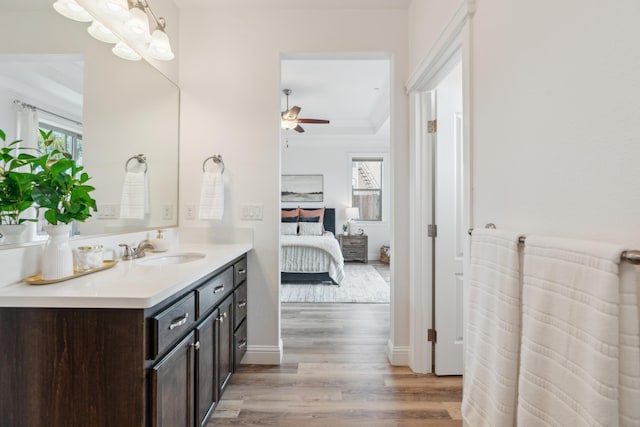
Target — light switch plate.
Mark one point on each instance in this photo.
(251, 211)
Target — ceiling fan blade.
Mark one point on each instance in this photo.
(292, 113)
(317, 121)
(298, 129)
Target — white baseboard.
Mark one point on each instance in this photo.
(397, 355)
(263, 355)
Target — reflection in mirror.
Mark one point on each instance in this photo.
(106, 110)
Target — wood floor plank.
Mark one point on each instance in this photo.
(335, 373)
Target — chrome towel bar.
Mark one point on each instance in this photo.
(632, 255)
(141, 158)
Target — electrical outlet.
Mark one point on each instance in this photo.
(167, 211)
(190, 212)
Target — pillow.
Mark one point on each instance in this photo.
(286, 213)
(289, 228)
(309, 219)
(312, 212)
(289, 219)
(310, 229)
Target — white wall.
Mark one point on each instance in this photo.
(333, 162)
(230, 81)
(556, 118)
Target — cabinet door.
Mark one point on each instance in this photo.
(206, 382)
(225, 343)
(172, 386)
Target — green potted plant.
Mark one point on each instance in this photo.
(60, 188)
(16, 184)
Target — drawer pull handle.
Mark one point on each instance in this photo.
(218, 289)
(243, 343)
(242, 304)
(196, 345)
(178, 321)
(242, 271)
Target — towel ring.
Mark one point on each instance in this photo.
(216, 159)
(141, 158)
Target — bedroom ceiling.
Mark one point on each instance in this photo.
(352, 93)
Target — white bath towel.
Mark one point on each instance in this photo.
(572, 360)
(492, 330)
(134, 202)
(211, 196)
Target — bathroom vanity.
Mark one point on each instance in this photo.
(142, 344)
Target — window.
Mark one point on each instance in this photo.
(65, 140)
(366, 187)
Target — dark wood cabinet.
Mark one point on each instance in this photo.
(165, 366)
(354, 248)
(172, 388)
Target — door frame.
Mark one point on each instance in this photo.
(454, 44)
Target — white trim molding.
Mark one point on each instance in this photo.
(434, 65)
(263, 355)
(398, 356)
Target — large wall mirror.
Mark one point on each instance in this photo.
(116, 109)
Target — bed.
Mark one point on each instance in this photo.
(311, 258)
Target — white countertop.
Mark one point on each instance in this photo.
(129, 284)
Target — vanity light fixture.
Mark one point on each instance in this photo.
(124, 23)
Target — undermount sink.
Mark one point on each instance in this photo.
(178, 258)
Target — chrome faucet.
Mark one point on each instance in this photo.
(131, 253)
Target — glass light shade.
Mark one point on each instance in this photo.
(159, 47)
(102, 33)
(72, 10)
(288, 124)
(352, 213)
(116, 8)
(122, 50)
(138, 24)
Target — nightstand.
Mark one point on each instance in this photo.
(354, 248)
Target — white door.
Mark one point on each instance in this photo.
(449, 253)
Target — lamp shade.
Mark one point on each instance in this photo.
(159, 47)
(138, 24)
(352, 213)
(102, 33)
(116, 8)
(123, 50)
(72, 10)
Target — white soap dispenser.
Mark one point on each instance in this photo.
(160, 244)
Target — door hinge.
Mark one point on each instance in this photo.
(432, 230)
(432, 335)
(432, 126)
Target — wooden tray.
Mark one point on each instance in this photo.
(38, 280)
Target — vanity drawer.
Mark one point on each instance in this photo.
(240, 269)
(173, 323)
(240, 343)
(240, 301)
(214, 290)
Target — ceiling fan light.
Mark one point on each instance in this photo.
(72, 10)
(138, 23)
(123, 51)
(102, 33)
(159, 47)
(288, 124)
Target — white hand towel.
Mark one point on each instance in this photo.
(570, 356)
(211, 196)
(492, 330)
(134, 201)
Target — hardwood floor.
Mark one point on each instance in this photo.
(335, 373)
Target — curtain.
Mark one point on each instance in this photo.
(26, 125)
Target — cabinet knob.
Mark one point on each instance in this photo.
(243, 343)
(196, 345)
(242, 303)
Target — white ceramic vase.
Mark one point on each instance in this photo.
(12, 233)
(57, 256)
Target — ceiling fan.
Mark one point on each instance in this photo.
(290, 119)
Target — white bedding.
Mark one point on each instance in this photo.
(312, 254)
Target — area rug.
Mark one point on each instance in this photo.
(362, 283)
